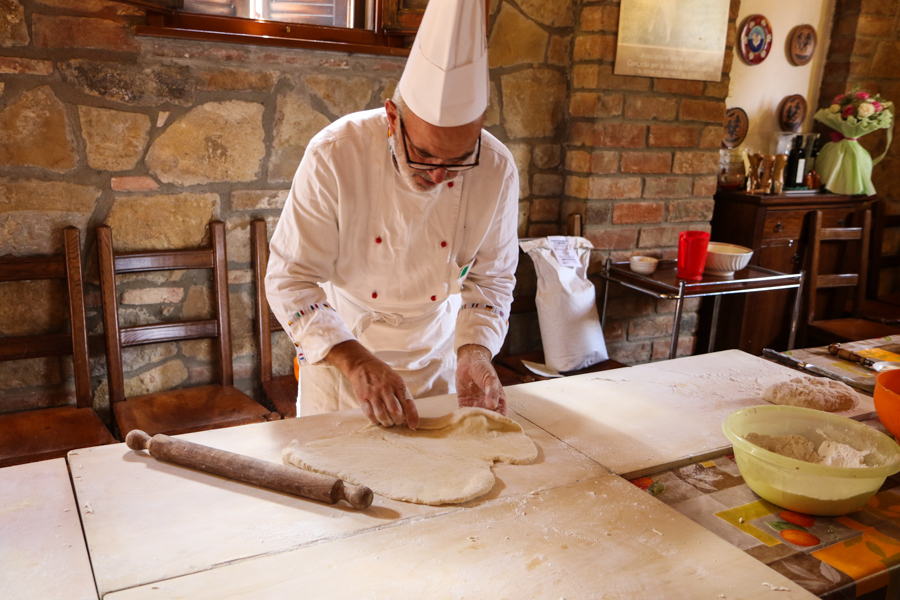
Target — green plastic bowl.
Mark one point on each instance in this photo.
(805, 487)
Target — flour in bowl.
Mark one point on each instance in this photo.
(832, 454)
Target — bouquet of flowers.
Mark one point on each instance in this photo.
(843, 165)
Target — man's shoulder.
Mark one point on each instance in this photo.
(358, 126)
(495, 152)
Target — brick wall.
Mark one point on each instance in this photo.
(865, 49)
(640, 164)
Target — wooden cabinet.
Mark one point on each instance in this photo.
(775, 228)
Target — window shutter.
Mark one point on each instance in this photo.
(222, 8)
(310, 12)
(167, 5)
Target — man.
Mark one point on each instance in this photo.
(392, 266)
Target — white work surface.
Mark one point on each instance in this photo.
(147, 521)
(603, 538)
(42, 552)
(653, 417)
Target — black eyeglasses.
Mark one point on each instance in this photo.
(429, 166)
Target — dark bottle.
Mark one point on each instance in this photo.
(796, 164)
(800, 178)
(813, 154)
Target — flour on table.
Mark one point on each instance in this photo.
(446, 460)
(813, 392)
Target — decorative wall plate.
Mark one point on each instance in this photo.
(756, 39)
(736, 125)
(792, 113)
(802, 44)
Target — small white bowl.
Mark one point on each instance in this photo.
(722, 260)
(643, 264)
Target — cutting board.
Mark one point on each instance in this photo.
(149, 521)
(42, 551)
(602, 538)
(653, 417)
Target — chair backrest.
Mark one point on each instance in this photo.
(881, 221)
(859, 260)
(266, 323)
(117, 337)
(68, 267)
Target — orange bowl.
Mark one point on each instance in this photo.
(887, 400)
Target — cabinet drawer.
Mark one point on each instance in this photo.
(784, 224)
(789, 224)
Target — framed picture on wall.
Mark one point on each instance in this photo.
(802, 44)
(756, 39)
(677, 40)
(792, 113)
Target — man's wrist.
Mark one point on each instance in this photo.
(477, 350)
(347, 356)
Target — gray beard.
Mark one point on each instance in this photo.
(407, 174)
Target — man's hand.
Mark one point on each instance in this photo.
(477, 383)
(382, 394)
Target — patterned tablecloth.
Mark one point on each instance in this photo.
(853, 556)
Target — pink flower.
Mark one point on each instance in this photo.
(848, 111)
(862, 95)
(878, 106)
(838, 98)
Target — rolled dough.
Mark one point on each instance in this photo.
(812, 392)
(446, 460)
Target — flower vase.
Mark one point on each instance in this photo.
(845, 167)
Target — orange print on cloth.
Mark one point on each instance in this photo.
(865, 558)
(886, 505)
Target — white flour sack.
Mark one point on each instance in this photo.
(566, 302)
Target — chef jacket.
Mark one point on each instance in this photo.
(413, 276)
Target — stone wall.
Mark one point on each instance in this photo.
(155, 137)
(865, 50)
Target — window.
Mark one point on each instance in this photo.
(367, 26)
(332, 13)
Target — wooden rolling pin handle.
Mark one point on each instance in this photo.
(356, 496)
(836, 350)
(273, 476)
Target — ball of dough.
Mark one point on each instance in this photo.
(820, 393)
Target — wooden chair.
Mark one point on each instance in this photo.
(52, 432)
(280, 391)
(511, 369)
(825, 330)
(879, 306)
(181, 410)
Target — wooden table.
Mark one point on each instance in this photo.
(42, 551)
(151, 521)
(564, 526)
(652, 417)
(594, 539)
(664, 283)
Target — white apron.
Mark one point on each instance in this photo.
(415, 340)
(428, 371)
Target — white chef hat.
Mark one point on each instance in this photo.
(445, 81)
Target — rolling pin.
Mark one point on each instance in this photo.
(273, 476)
